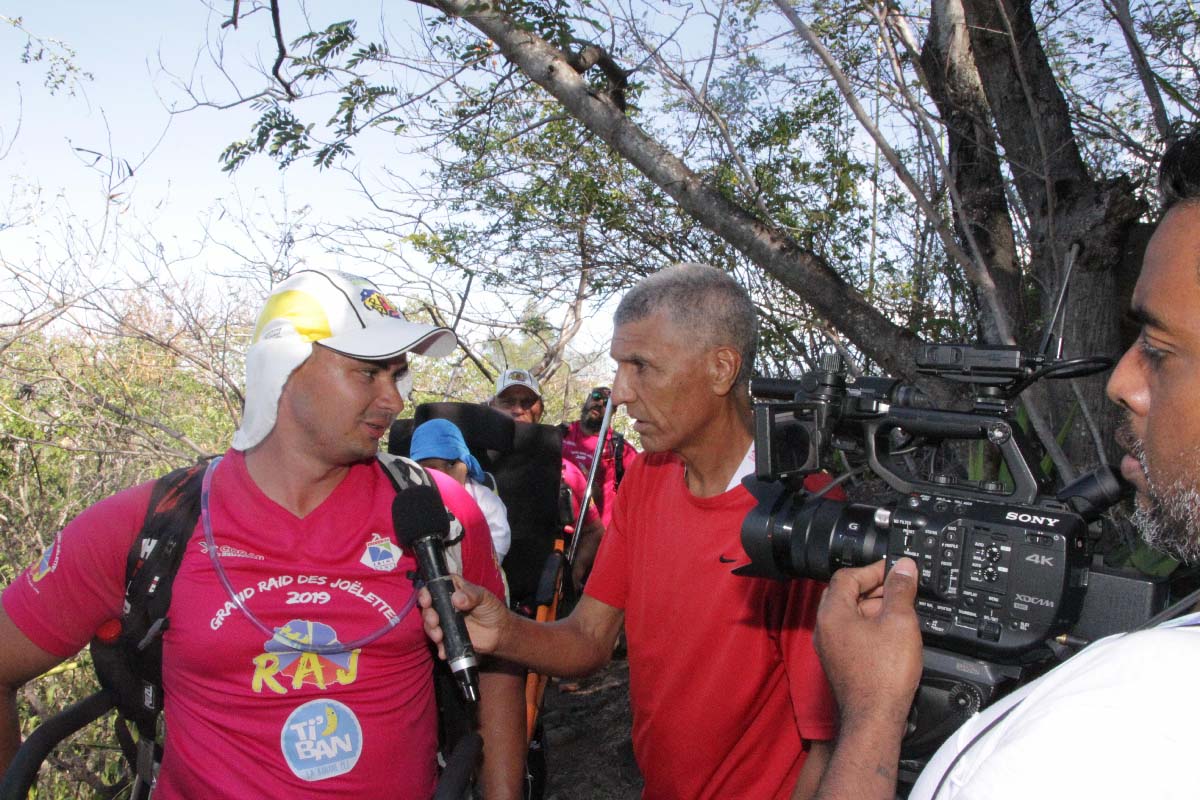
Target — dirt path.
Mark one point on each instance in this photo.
(588, 750)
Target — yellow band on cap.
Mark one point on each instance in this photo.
(301, 310)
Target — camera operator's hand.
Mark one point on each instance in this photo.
(485, 614)
(869, 642)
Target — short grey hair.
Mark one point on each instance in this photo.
(704, 301)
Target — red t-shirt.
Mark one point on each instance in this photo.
(247, 716)
(724, 681)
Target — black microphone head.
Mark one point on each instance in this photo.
(418, 512)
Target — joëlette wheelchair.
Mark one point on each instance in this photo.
(525, 461)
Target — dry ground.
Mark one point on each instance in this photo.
(588, 752)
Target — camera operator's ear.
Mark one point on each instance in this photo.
(723, 362)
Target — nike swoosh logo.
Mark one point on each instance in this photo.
(725, 560)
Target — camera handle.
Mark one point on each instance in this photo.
(950, 425)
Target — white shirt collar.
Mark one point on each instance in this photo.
(744, 469)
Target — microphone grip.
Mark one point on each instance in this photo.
(460, 654)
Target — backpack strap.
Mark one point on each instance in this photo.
(156, 555)
(127, 653)
(456, 722)
(403, 472)
(618, 443)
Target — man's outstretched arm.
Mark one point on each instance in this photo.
(869, 642)
(575, 646)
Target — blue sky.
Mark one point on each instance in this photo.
(179, 199)
(119, 44)
(124, 111)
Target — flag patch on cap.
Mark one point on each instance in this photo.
(376, 301)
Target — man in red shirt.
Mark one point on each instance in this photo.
(729, 699)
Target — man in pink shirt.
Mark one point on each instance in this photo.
(292, 664)
(580, 440)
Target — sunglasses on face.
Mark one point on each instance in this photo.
(599, 394)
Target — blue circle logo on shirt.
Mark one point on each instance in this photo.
(321, 739)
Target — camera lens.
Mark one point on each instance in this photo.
(794, 536)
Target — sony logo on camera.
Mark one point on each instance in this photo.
(1032, 519)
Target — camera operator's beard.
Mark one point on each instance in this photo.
(1169, 520)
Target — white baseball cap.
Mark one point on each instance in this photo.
(517, 377)
(345, 313)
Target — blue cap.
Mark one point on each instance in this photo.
(441, 438)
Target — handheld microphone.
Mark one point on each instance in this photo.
(422, 526)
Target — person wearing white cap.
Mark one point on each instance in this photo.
(519, 396)
(291, 664)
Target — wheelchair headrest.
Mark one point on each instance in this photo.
(526, 460)
(484, 429)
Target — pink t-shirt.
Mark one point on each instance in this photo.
(579, 448)
(723, 678)
(247, 716)
(576, 481)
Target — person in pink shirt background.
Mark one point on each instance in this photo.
(580, 440)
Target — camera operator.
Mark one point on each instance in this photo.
(728, 697)
(1128, 698)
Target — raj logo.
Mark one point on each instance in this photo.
(282, 667)
(374, 300)
(382, 554)
(47, 563)
(321, 739)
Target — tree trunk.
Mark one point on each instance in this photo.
(983, 213)
(1065, 206)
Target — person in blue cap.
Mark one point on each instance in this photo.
(439, 444)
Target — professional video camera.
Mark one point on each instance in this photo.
(1006, 578)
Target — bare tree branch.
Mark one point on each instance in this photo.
(1119, 9)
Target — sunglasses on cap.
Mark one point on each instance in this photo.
(599, 394)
